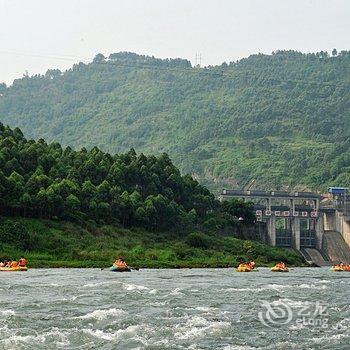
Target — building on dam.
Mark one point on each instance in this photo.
(301, 221)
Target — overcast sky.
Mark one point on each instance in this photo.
(39, 34)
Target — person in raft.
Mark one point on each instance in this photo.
(252, 265)
(4, 263)
(14, 264)
(281, 265)
(22, 262)
(120, 263)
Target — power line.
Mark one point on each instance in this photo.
(219, 73)
(211, 70)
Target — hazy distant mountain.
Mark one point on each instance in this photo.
(281, 119)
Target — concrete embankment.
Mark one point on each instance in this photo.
(335, 247)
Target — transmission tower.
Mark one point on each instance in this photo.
(198, 59)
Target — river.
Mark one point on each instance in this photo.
(307, 308)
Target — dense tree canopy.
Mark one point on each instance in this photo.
(281, 119)
(47, 181)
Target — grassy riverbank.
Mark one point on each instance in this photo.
(65, 244)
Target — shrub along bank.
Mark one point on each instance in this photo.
(47, 243)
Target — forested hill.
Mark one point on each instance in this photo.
(82, 208)
(281, 119)
(46, 181)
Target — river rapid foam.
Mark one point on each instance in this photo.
(170, 309)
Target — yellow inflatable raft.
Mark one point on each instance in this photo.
(278, 269)
(246, 268)
(13, 269)
(243, 269)
(339, 269)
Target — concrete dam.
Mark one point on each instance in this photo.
(300, 221)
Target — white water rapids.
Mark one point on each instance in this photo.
(171, 309)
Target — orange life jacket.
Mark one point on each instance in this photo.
(14, 264)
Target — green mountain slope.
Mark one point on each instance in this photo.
(281, 119)
(61, 207)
